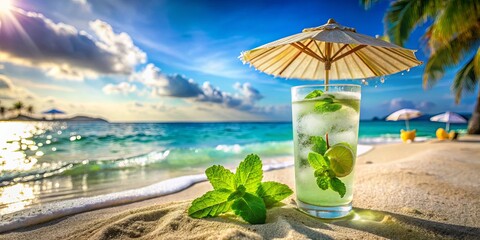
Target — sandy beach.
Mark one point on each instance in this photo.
(402, 191)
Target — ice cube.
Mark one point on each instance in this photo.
(315, 124)
(303, 108)
(304, 151)
(319, 124)
(349, 137)
(345, 119)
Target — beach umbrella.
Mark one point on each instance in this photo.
(404, 114)
(53, 111)
(448, 117)
(330, 51)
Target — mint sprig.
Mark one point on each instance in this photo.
(242, 193)
(324, 107)
(319, 145)
(325, 177)
(328, 103)
(314, 94)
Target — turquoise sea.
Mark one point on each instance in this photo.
(46, 162)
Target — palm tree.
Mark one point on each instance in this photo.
(452, 39)
(18, 106)
(30, 109)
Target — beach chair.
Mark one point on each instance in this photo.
(408, 136)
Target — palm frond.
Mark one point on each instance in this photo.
(404, 15)
(456, 17)
(476, 62)
(465, 80)
(449, 55)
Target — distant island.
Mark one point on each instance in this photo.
(79, 118)
(18, 106)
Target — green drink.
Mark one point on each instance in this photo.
(325, 129)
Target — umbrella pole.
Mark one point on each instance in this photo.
(328, 63)
(406, 123)
(448, 126)
(326, 79)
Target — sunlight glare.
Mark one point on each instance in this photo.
(15, 139)
(15, 197)
(5, 6)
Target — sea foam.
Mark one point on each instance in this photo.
(386, 140)
(55, 210)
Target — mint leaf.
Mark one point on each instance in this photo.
(314, 94)
(326, 100)
(273, 192)
(319, 144)
(251, 208)
(238, 193)
(327, 107)
(211, 204)
(338, 186)
(220, 177)
(316, 160)
(321, 172)
(249, 173)
(323, 182)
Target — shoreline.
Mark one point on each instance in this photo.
(54, 210)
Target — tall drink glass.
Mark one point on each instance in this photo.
(325, 135)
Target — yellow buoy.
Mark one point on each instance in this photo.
(441, 134)
(408, 136)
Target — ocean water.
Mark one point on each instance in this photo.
(47, 162)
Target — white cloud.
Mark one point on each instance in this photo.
(8, 91)
(80, 2)
(121, 88)
(399, 103)
(32, 84)
(426, 106)
(147, 107)
(5, 83)
(166, 85)
(62, 51)
(245, 97)
(125, 54)
(181, 87)
(249, 93)
(84, 5)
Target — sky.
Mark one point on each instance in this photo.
(156, 61)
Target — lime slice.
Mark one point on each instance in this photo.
(341, 159)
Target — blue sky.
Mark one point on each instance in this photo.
(178, 60)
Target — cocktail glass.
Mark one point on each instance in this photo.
(325, 135)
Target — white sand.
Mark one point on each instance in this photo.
(403, 191)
